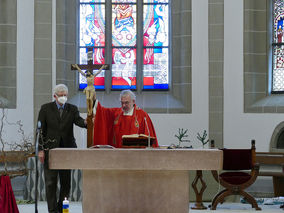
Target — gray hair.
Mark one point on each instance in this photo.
(60, 88)
(126, 93)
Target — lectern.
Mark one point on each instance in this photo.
(135, 180)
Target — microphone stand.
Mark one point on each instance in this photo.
(36, 164)
(149, 139)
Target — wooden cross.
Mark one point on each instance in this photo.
(90, 67)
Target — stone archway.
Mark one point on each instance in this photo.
(277, 139)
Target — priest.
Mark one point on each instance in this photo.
(110, 124)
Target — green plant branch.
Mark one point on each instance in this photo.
(202, 138)
(182, 134)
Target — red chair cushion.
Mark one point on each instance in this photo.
(235, 178)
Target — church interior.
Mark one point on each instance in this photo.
(224, 82)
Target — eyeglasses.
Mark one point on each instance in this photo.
(124, 102)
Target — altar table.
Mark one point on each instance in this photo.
(135, 180)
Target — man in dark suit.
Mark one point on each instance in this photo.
(57, 120)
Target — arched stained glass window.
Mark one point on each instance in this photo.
(278, 47)
(138, 38)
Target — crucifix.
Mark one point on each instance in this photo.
(90, 89)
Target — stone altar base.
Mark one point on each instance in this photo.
(135, 180)
(135, 191)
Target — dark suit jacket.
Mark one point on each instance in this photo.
(55, 129)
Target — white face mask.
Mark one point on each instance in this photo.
(62, 99)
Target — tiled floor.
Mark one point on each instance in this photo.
(76, 207)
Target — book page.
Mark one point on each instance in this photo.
(102, 147)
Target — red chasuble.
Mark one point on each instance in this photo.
(110, 125)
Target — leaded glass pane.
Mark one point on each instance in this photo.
(278, 69)
(123, 1)
(156, 1)
(156, 25)
(155, 34)
(278, 21)
(92, 1)
(278, 53)
(100, 79)
(92, 25)
(124, 68)
(123, 25)
(156, 68)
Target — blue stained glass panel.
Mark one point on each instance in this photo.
(124, 68)
(278, 69)
(156, 25)
(92, 1)
(155, 39)
(156, 1)
(278, 47)
(124, 25)
(123, 1)
(92, 25)
(156, 68)
(278, 21)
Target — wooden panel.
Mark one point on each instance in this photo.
(270, 158)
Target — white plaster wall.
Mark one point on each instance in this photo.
(240, 127)
(167, 125)
(25, 71)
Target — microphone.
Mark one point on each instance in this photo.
(149, 139)
(38, 126)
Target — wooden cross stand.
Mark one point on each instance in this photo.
(89, 67)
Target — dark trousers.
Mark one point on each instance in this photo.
(51, 177)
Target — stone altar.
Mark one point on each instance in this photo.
(135, 180)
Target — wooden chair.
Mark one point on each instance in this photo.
(239, 172)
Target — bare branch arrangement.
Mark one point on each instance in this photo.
(14, 151)
(181, 135)
(202, 138)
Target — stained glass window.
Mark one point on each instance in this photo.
(137, 44)
(278, 47)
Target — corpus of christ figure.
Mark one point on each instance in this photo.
(90, 89)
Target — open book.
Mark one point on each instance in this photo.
(102, 147)
(136, 140)
(137, 136)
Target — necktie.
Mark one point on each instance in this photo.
(60, 111)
